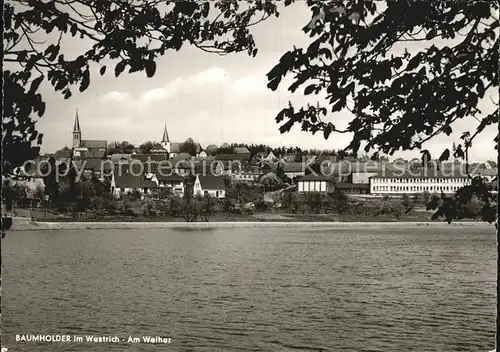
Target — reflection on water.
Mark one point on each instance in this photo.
(278, 289)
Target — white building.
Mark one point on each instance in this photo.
(429, 181)
(123, 182)
(209, 185)
(173, 181)
(315, 183)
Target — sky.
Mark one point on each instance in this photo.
(210, 98)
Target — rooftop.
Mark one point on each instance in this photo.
(211, 182)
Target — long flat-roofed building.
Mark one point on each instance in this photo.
(418, 181)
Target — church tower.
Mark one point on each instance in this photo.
(77, 133)
(165, 141)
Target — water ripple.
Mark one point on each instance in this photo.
(256, 290)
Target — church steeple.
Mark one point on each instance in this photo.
(77, 133)
(165, 134)
(76, 127)
(165, 141)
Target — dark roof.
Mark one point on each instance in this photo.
(94, 144)
(131, 181)
(181, 156)
(231, 157)
(96, 164)
(342, 185)
(168, 177)
(241, 150)
(158, 151)
(294, 167)
(349, 166)
(117, 157)
(93, 153)
(135, 168)
(147, 157)
(211, 182)
(316, 177)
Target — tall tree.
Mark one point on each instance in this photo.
(189, 146)
(145, 147)
(211, 149)
(126, 35)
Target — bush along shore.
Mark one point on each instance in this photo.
(237, 206)
(242, 203)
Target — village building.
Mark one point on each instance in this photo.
(244, 151)
(86, 148)
(126, 181)
(353, 188)
(292, 170)
(176, 183)
(209, 185)
(418, 181)
(173, 148)
(245, 174)
(314, 183)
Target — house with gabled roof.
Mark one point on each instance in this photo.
(115, 158)
(294, 169)
(175, 182)
(228, 160)
(209, 185)
(245, 174)
(124, 181)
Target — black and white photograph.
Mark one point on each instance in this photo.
(255, 176)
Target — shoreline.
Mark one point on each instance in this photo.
(28, 225)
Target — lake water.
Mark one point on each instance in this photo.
(277, 289)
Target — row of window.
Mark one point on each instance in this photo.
(419, 180)
(416, 188)
(246, 177)
(312, 186)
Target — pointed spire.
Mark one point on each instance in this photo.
(76, 128)
(165, 134)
